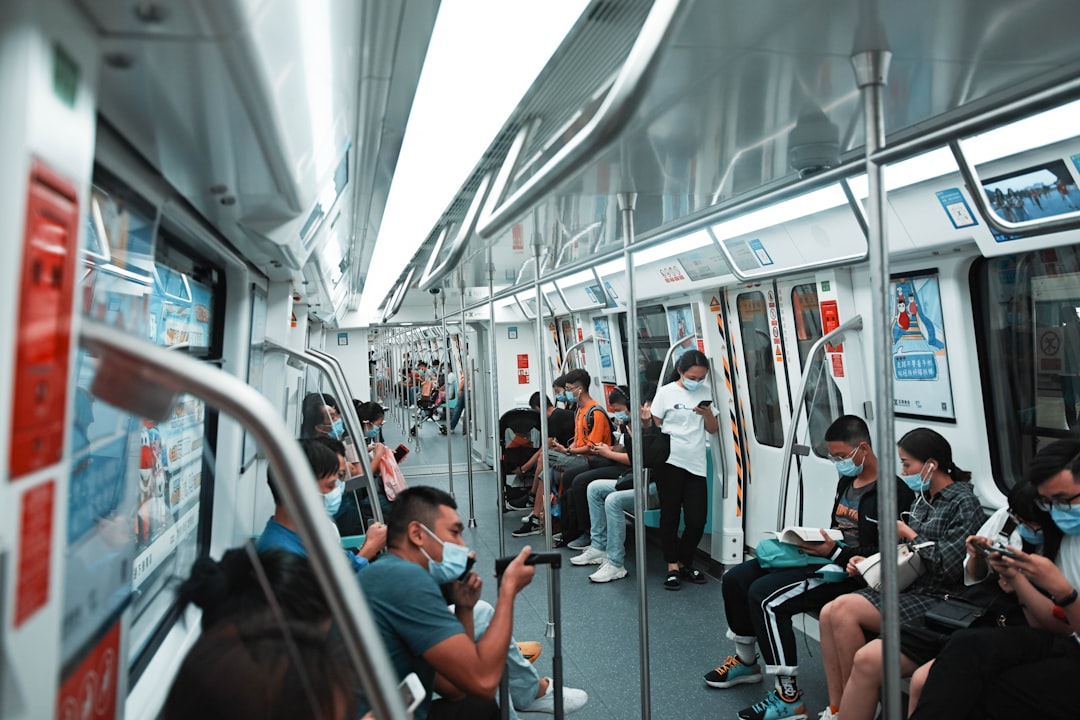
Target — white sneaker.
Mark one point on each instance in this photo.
(828, 714)
(607, 573)
(573, 700)
(591, 556)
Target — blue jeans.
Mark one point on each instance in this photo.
(523, 679)
(455, 415)
(608, 523)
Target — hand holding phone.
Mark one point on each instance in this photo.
(704, 404)
(997, 547)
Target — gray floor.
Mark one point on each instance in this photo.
(601, 644)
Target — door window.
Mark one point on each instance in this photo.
(760, 368)
(822, 400)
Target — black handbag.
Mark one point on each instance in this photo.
(655, 447)
(954, 614)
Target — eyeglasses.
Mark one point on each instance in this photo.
(838, 458)
(1056, 503)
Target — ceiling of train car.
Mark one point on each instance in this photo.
(248, 108)
(744, 86)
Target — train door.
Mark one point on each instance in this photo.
(802, 311)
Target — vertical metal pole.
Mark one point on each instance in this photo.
(627, 202)
(538, 253)
(447, 409)
(871, 70)
(467, 413)
(496, 455)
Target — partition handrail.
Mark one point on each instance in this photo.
(855, 323)
(457, 248)
(139, 372)
(611, 117)
(671, 350)
(352, 420)
(572, 348)
(394, 304)
(1027, 228)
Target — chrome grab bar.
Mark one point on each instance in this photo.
(855, 323)
(457, 248)
(143, 378)
(671, 350)
(614, 113)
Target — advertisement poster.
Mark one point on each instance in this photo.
(602, 335)
(922, 387)
(681, 325)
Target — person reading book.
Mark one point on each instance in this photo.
(760, 602)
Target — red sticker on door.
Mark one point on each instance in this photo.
(35, 550)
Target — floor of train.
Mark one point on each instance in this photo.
(600, 621)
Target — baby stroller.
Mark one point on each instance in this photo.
(427, 408)
(519, 438)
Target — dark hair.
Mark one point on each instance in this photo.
(1052, 459)
(419, 502)
(311, 411)
(580, 377)
(263, 670)
(691, 358)
(559, 382)
(333, 443)
(849, 429)
(322, 459)
(1022, 502)
(534, 401)
(924, 444)
(648, 392)
(231, 587)
(331, 401)
(619, 395)
(370, 412)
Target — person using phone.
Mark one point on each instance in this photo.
(461, 654)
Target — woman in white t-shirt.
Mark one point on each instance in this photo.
(683, 410)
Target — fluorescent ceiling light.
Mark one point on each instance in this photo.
(611, 267)
(671, 248)
(459, 72)
(1037, 131)
(793, 209)
(912, 171)
(578, 278)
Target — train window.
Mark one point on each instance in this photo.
(760, 368)
(1027, 312)
(653, 343)
(822, 401)
(136, 516)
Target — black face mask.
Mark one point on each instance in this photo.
(445, 587)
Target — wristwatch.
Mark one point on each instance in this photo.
(1067, 600)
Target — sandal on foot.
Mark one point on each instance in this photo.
(695, 576)
(672, 582)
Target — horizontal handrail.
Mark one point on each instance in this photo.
(611, 117)
(399, 294)
(457, 248)
(143, 378)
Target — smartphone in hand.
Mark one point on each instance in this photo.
(997, 548)
(704, 403)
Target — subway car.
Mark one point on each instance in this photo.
(221, 226)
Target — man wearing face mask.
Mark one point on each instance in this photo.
(759, 602)
(427, 553)
(280, 532)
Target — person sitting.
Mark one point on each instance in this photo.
(250, 662)
(760, 602)
(347, 518)
(459, 654)
(561, 429)
(280, 531)
(319, 417)
(945, 512)
(1022, 671)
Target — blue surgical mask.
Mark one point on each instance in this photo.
(337, 429)
(333, 498)
(691, 385)
(848, 468)
(622, 416)
(1067, 520)
(1035, 537)
(916, 482)
(564, 397)
(455, 559)
(372, 432)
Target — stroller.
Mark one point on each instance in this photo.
(427, 407)
(519, 438)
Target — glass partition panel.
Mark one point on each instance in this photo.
(760, 368)
(823, 402)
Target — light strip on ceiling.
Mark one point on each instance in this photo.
(793, 209)
(1046, 128)
(929, 165)
(671, 248)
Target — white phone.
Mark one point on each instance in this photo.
(412, 691)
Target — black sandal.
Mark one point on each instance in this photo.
(695, 576)
(672, 581)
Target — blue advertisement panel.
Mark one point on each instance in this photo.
(920, 360)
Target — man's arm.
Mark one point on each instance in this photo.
(477, 667)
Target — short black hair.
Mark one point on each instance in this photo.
(691, 358)
(333, 443)
(849, 429)
(1052, 459)
(419, 502)
(578, 376)
(619, 395)
(322, 459)
(534, 401)
(559, 382)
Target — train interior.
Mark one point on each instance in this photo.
(197, 206)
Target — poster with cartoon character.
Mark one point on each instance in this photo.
(920, 361)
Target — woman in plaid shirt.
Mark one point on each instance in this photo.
(945, 512)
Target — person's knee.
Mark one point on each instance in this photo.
(867, 662)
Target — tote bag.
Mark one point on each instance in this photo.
(908, 566)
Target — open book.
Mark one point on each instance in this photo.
(799, 535)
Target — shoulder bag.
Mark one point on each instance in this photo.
(908, 566)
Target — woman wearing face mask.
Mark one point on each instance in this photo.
(320, 418)
(945, 512)
(759, 602)
(683, 410)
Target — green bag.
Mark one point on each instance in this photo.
(771, 553)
